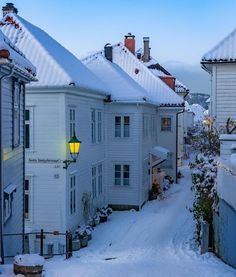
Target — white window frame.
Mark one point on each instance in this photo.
(16, 120)
(100, 178)
(72, 195)
(94, 181)
(122, 172)
(93, 125)
(99, 123)
(29, 193)
(164, 128)
(72, 121)
(30, 123)
(8, 200)
(120, 130)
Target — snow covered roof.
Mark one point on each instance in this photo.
(224, 51)
(16, 57)
(158, 70)
(56, 66)
(119, 83)
(198, 111)
(155, 87)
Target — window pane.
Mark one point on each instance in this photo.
(166, 124)
(26, 184)
(117, 126)
(126, 126)
(117, 181)
(26, 206)
(126, 175)
(27, 115)
(27, 136)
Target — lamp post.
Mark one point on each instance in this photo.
(74, 145)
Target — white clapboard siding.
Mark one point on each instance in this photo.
(224, 91)
(124, 151)
(13, 169)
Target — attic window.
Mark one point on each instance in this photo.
(136, 71)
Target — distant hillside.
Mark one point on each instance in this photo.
(193, 76)
(198, 98)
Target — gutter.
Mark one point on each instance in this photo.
(1, 160)
(177, 133)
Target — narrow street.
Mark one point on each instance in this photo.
(158, 241)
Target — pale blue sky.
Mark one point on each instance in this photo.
(179, 30)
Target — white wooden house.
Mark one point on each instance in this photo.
(220, 62)
(138, 137)
(15, 72)
(144, 55)
(67, 98)
(170, 104)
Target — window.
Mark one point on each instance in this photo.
(126, 126)
(94, 176)
(118, 126)
(72, 122)
(100, 181)
(126, 175)
(27, 199)
(29, 128)
(122, 175)
(166, 124)
(72, 194)
(99, 126)
(122, 126)
(16, 114)
(8, 199)
(93, 126)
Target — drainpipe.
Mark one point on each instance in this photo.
(177, 133)
(1, 161)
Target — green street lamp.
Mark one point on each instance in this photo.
(74, 145)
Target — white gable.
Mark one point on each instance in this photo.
(225, 50)
(56, 66)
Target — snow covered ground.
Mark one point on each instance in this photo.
(156, 241)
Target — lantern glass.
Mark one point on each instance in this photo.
(74, 145)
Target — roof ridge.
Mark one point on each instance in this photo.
(19, 18)
(218, 45)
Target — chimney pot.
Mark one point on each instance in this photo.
(146, 49)
(108, 52)
(9, 8)
(130, 42)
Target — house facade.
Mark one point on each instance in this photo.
(220, 63)
(150, 117)
(15, 72)
(67, 99)
(127, 124)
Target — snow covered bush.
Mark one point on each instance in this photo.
(204, 173)
(205, 140)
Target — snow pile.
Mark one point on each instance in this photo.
(29, 260)
(198, 110)
(226, 180)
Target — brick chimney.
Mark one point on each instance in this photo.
(130, 42)
(169, 80)
(146, 50)
(9, 8)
